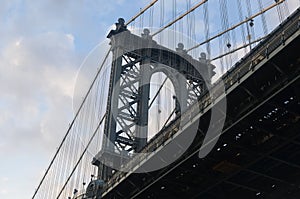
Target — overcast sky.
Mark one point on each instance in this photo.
(42, 46)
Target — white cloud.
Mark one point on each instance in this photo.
(37, 78)
(4, 179)
(3, 191)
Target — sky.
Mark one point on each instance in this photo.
(42, 46)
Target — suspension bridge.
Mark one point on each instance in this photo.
(192, 99)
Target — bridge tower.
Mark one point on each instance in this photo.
(135, 60)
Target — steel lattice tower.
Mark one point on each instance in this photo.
(135, 60)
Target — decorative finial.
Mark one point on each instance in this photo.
(146, 34)
(180, 48)
(120, 27)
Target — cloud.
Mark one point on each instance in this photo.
(36, 81)
(37, 75)
(4, 179)
(3, 191)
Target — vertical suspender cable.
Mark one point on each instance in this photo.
(141, 12)
(70, 127)
(241, 18)
(263, 18)
(80, 158)
(237, 25)
(221, 43)
(225, 26)
(180, 17)
(175, 25)
(229, 59)
(279, 12)
(286, 9)
(188, 22)
(206, 29)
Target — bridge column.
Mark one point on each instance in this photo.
(143, 103)
(108, 146)
(109, 154)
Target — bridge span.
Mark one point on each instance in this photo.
(257, 155)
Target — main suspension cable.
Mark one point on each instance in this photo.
(180, 17)
(239, 48)
(141, 12)
(237, 25)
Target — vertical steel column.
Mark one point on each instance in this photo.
(104, 171)
(143, 103)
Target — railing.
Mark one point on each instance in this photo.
(277, 38)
